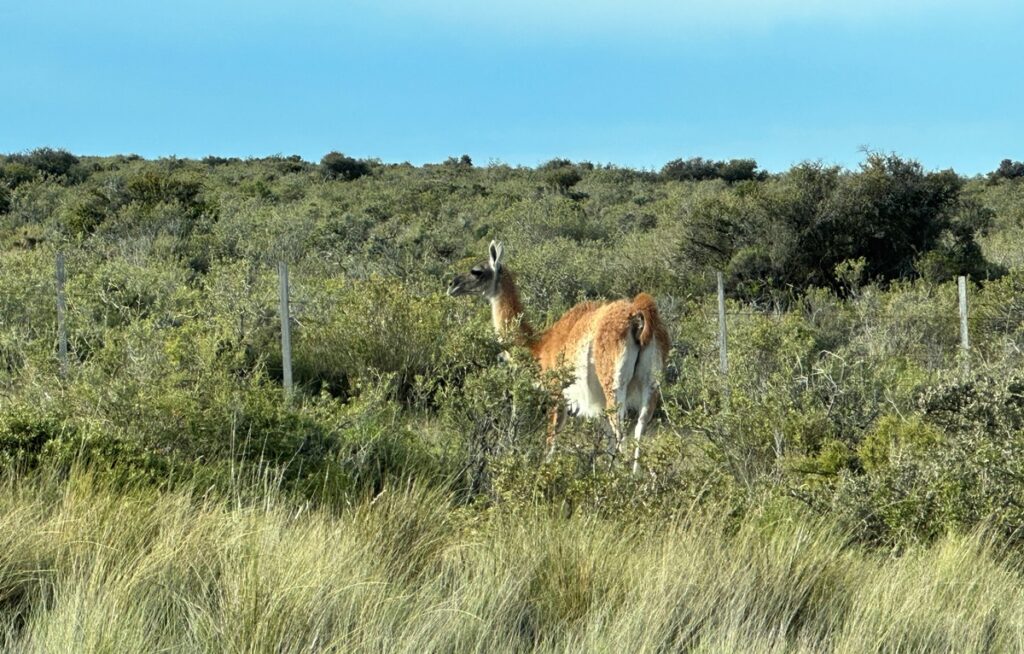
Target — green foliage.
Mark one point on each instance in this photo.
(47, 161)
(90, 212)
(792, 232)
(956, 464)
(890, 210)
(403, 497)
(497, 412)
(894, 439)
(353, 331)
(14, 173)
(561, 175)
(149, 209)
(175, 339)
(698, 169)
(213, 160)
(1008, 169)
(997, 314)
(335, 165)
(24, 431)
(465, 161)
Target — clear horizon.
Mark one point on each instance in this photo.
(521, 83)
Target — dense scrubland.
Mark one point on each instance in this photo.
(854, 484)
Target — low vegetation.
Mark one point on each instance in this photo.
(853, 484)
(87, 568)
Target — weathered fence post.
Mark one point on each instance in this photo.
(965, 343)
(62, 331)
(723, 354)
(286, 330)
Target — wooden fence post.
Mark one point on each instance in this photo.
(965, 343)
(286, 331)
(723, 353)
(62, 331)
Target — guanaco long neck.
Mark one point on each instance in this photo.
(507, 312)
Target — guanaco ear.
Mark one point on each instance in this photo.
(496, 251)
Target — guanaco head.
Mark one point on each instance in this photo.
(483, 278)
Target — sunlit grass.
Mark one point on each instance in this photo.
(83, 568)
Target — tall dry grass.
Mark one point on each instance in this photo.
(87, 569)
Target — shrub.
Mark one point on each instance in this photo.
(24, 432)
(695, 169)
(56, 163)
(465, 161)
(955, 465)
(499, 411)
(738, 170)
(699, 169)
(170, 212)
(560, 174)
(336, 165)
(1008, 169)
(793, 232)
(152, 188)
(354, 331)
(213, 160)
(15, 173)
(894, 439)
(175, 368)
(887, 212)
(90, 212)
(997, 314)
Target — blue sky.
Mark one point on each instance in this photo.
(632, 83)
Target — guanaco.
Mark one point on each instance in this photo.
(615, 350)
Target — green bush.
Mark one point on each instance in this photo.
(793, 231)
(335, 165)
(49, 161)
(90, 212)
(955, 465)
(1008, 169)
(175, 367)
(14, 173)
(498, 412)
(25, 430)
(561, 175)
(894, 439)
(352, 331)
(699, 169)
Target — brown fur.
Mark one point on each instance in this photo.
(557, 344)
(611, 323)
(653, 327)
(507, 313)
(611, 329)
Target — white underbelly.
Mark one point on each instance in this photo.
(584, 396)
